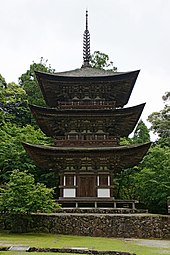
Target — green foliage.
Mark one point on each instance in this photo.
(150, 181)
(125, 141)
(18, 125)
(125, 184)
(154, 180)
(141, 134)
(100, 60)
(23, 196)
(12, 153)
(14, 104)
(3, 83)
(160, 122)
(29, 83)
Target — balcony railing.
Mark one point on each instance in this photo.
(84, 104)
(86, 143)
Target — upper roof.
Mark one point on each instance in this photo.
(87, 82)
(88, 72)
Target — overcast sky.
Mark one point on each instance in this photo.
(134, 33)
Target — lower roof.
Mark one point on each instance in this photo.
(58, 158)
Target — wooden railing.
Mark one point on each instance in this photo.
(85, 143)
(95, 202)
(87, 104)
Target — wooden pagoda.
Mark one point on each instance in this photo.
(86, 118)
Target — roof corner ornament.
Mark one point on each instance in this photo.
(86, 45)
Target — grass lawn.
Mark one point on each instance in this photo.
(138, 246)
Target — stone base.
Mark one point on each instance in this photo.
(97, 224)
(103, 225)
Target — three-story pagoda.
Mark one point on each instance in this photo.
(86, 118)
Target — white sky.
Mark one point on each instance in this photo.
(134, 33)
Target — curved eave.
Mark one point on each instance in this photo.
(122, 85)
(123, 120)
(108, 77)
(53, 158)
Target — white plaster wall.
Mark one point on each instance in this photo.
(68, 192)
(103, 192)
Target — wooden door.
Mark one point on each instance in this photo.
(86, 186)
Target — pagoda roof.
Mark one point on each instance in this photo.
(88, 72)
(119, 84)
(55, 158)
(117, 122)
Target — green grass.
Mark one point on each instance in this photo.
(60, 241)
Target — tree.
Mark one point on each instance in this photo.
(14, 98)
(14, 104)
(141, 133)
(23, 197)
(3, 85)
(153, 181)
(18, 125)
(126, 187)
(12, 153)
(149, 182)
(100, 60)
(14, 156)
(160, 122)
(29, 83)
(2, 82)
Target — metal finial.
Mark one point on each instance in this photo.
(86, 45)
(86, 19)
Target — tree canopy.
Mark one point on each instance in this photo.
(141, 133)
(160, 122)
(29, 82)
(101, 60)
(149, 182)
(22, 195)
(14, 104)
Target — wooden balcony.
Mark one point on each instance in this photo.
(87, 104)
(86, 143)
(94, 202)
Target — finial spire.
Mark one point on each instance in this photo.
(86, 45)
(86, 19)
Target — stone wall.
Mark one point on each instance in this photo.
(79, 251)
(104, 225)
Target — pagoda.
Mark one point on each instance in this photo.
(85, 116)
